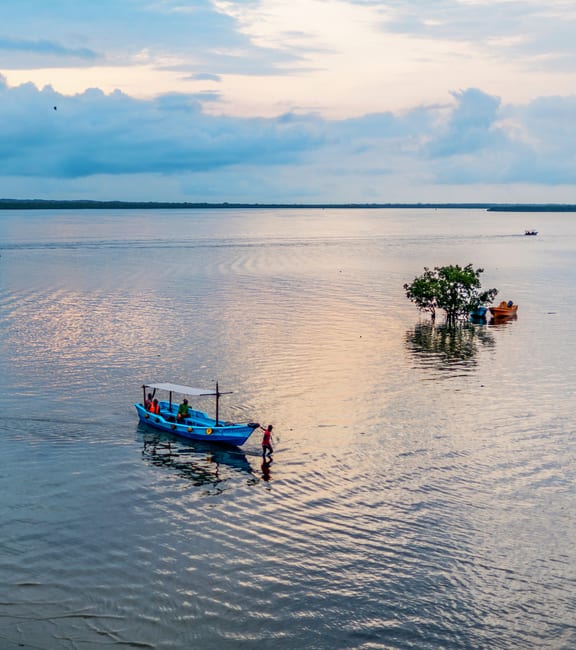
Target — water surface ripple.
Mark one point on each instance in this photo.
(421, 493)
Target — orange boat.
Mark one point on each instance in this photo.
(504, 310)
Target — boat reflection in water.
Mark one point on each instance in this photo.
(502, 321)
(201, 463)
(447, 347)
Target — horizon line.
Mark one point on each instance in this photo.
(46, 204)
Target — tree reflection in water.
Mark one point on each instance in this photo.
(447, 347)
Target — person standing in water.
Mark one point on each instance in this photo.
(267, 441)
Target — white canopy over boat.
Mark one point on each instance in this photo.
(184, 390)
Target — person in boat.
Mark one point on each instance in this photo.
(183, 410)
(267, 441)
(510, 303)
(155, 407)
(149, 400)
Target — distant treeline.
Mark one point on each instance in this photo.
(554, 207)
(44, 204)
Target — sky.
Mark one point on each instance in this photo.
(289, 101)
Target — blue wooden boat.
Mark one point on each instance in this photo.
(198, 425)
(478, 313)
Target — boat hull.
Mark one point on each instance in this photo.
(199, 426)
(504, 312)
(479, 312)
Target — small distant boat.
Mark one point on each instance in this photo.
(504, 310)
(530, 232)
(197, 425)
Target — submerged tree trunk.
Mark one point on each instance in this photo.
(451, 318)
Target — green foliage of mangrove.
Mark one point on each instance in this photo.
(455, 289)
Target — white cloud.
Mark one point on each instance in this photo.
(304, 100)
(339, 57)
(168, 148)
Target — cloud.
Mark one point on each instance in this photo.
(532, 35)
(45, 47)
(170, 144)
(345, 57)
(205, 76)
(93, 133)
(483, 142)
(187, 36)
(470, 126)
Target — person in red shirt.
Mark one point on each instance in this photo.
(266, 441)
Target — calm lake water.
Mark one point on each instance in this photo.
(423, 487)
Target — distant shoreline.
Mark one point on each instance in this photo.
(46, 204)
